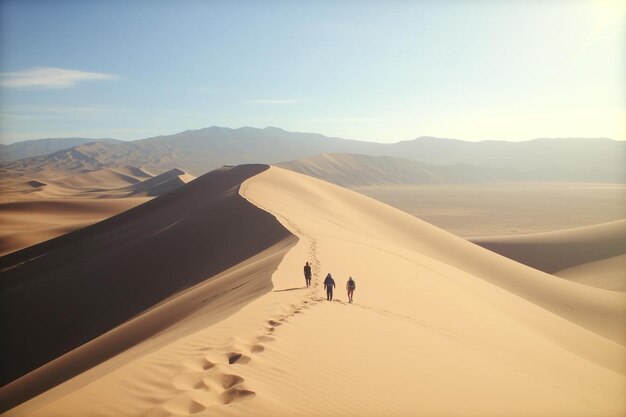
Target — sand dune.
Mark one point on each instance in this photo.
(41, 209)
(28, 222)
(160, 184)
(39, 188)
(102, 178)
(139, 173)
(440, 326)
(592, 255)
(104, 275)
(607, 273)
(557, 251)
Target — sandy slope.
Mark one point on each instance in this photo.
(64, 292)
(38, 210)
(44, 207)
(26, 223)
(609, 273)
(440, 327)
(587, 254)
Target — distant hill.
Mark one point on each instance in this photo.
(39, 147)
(196, 151)
(199, 151)
(350, 170)
(569, 159)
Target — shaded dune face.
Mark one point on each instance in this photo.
(59, 294)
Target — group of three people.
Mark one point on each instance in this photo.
(329, 283)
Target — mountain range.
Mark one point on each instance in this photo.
(200, 151)
(39, 147)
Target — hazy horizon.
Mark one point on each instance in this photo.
(320, 133)
(366, 71)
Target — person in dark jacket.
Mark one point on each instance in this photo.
(329, 285)
(307, 274)
(350, 287)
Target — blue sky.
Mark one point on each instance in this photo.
(382, 71)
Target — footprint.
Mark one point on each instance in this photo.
(236, 394)
(274, 323)
(265, 338)
(188, 382)
(229, 381)
(236, 357)
(184, 405)
(198, 364)
(256, 348)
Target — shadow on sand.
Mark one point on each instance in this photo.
(290, 289)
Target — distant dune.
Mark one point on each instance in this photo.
(570, 253)
(105, 178)
(34, 211)
(28, 222)
(609, 273)
(60, 294)
(447, 326)
(160, 184)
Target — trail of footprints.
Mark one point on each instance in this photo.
(211, 381)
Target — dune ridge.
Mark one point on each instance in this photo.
(105, 274)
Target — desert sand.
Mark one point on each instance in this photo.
(473, 210)
(609, 273)
(593, 255)
(440, 326)
(50, 205)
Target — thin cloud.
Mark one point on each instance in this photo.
(49, 77)
(278, 101)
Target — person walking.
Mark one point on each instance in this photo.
(307, 274)
(350, 287)
(329, 285)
